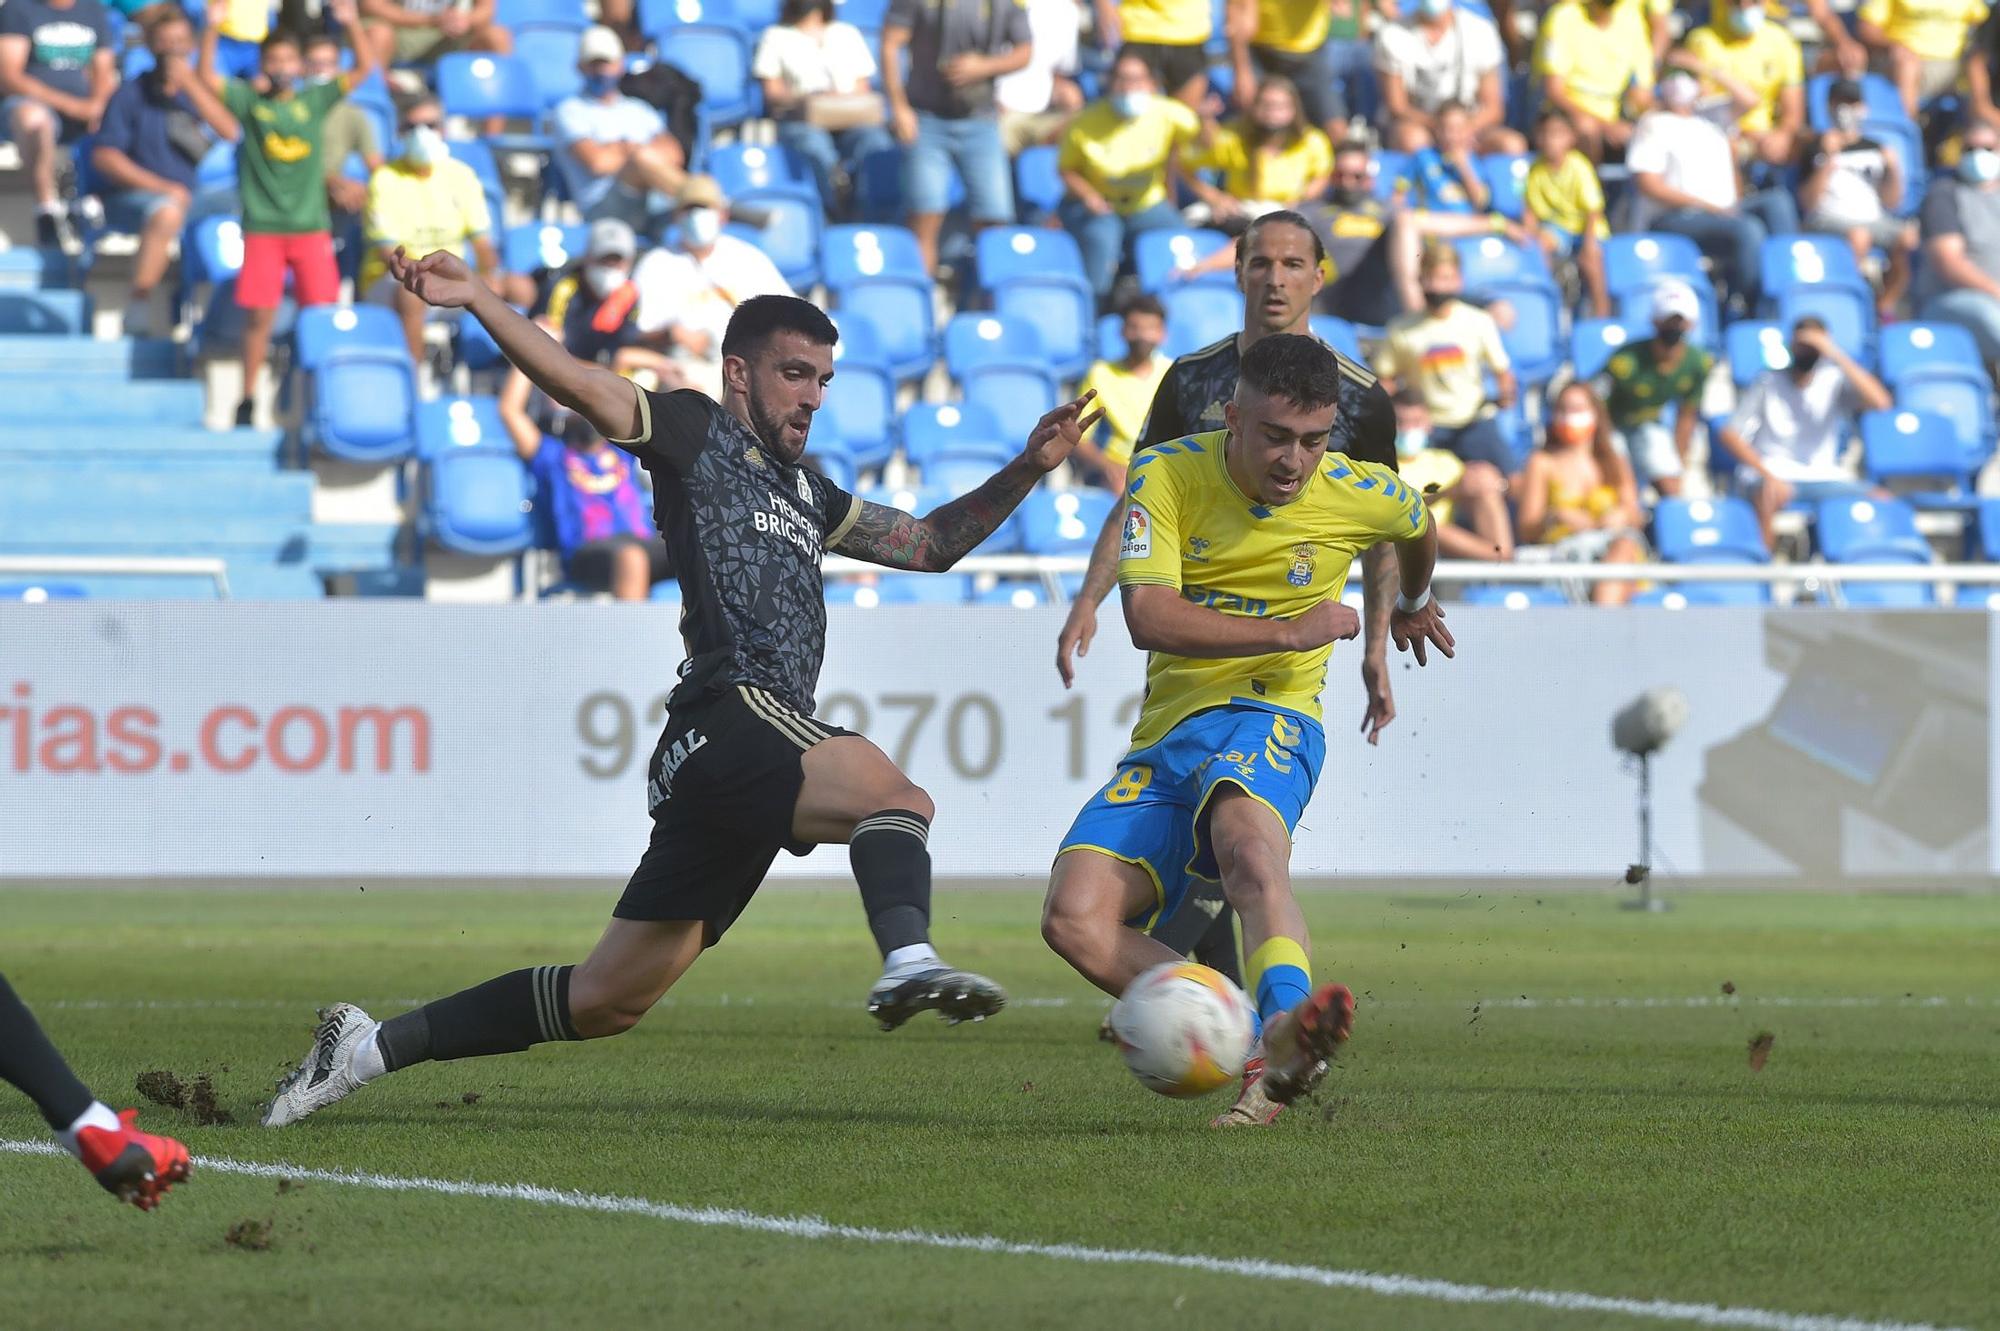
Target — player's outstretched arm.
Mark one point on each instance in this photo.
(932, 544)
(1160, 620)
(1418, 618)
(608, 401)
(1080, 626)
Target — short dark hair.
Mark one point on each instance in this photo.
(280, 37)
(1141, 302)
(1282, 217)
(164, 15)
(408, 106)
(751, 326)
(1809, 321)
(1301, 370)
(319, 39)
(1555, 114)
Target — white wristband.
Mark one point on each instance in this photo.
(1406, 606)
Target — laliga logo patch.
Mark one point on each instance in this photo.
(1301, 574)
(1138, 534)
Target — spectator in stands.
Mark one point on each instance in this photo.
(1446, 197)
(1442, 55)
(1577, 496)
(590, 306)
(1565, 205)
(57, 73)
(1644, 378)
(423, 201)
(1169, 35)
(1919, 44)
(688, 290)
(1125, 390)
(242, 26)
(1791, 426)
(1445, 350)
(816, 75)
(1468, 500)
(348, 133)
(1596, 62)
(1272, 158)
(1685, 172)
(603, 523)
(1982, 71)
(1356, 228)
(417, 32)
(1961, 230)
(156, 130)
(945, 114)
(1759, 66)
(1120, 162)
(1037, 100)
(1853, 186)
(615, 149)
(281, 180)
(1293, 38)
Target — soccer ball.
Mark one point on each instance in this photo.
(1184, 1029)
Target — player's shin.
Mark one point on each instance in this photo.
(502, 1016)
(891, 857)
(1280, 976)
(29, 1061)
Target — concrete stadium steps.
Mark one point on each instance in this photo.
(74, 401)
(318, 547)
(99, 445)
(143, 498)
(121, 359)
(247, 582)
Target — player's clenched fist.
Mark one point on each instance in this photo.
(1328, 622)
(1057, 433)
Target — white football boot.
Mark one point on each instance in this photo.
(327, 1073)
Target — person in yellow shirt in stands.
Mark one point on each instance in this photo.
(1125, 390)
(1919, 44)
(1596, 62)
(423, 201)
(242, 26)
(1565, 205)
(1119, 160)
(1272, 158)
(1759, 66)
(1289, 38)
(1169, 35)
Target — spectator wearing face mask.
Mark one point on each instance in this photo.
(1445, 350)
(1578, 501)
(1961, 231)
(1120, 161)
(1919, 44)
(614, 149)
(156, 130)
(1850, 190)
(348, 132)
(1565, 206)
(1441, 55)
(1685, 173)
(423, 201)
(1596, 62)
(1644, 378)
(1468, 500)
(1791, 427)
(689, 288)
(1270, 159)
(1125, 390)
(1758, 65)
(589, 308)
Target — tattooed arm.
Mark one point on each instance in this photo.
(932, 544)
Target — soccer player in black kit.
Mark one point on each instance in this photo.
(742, 769)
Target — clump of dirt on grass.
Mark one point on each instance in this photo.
(162, 1088)
(197, 1097)
(1728, 987)
(470, 1098)
(202, 1103)
(250, 1235)
(1760, 1049)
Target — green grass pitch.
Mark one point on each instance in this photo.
(1481, 1130)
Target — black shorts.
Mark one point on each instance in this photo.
(1172, 66)
(722, 785)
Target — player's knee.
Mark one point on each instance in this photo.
(597, 1017)
(1069, 932)
(911, 798)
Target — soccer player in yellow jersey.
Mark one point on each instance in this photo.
(1236, 545)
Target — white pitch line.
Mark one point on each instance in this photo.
(812, 1227)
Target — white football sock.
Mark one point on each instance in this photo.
(368, 1063)
(99, 1115)
(910, 960)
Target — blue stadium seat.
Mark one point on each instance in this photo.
(480, 501)
(867, 15)
(1870, 530)
(956, 474)
(550, 53)
(478, 155)
(1967, 404)
(36, 592)
(851, 254)
(1753, 346)
(1903, 138)
(1879, 99)
(794, 219)
(1487, 260)
(878, 186)
(718, 58)
(1534, 340)
(363, 401)
(537, 246)
(860, 344)
(1636, 260)
(741, 167)
(1514, 596)
(1004, 253)
(1014, 593)
(33, 270)
(860, 410)
(448, 423)
(1018, 396)
(902, 313)
(1679, 596)
(1708, 531)
(1060, 311)
(1038, 185)
(1337, 333)
(923, 589)
(1916, 445)
(1391, 166)
(980, 341)
(1063, 522)
(1199, 315)
(1635, 306)
(1593, 342)
(45, 313)
(933, 430)
(659, 17)
(478, 85)
(1887, 595)
(517, 14)
(473, 345)
(1506, 177)
(324, 329)
(835, 461)
(1913, 350)
(1158, 255)
(1988, 534)
(1808, 260)
(1849, 315)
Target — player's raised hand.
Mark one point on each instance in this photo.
(1059, 432)
(440, 278)
(1327, 622)
(1426, 624)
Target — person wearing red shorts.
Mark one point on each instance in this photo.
(286, 229)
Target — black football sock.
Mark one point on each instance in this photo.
(1205, 928)
(503, 1016)
(29, 1061)
(1217, 947)
(892, 863)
